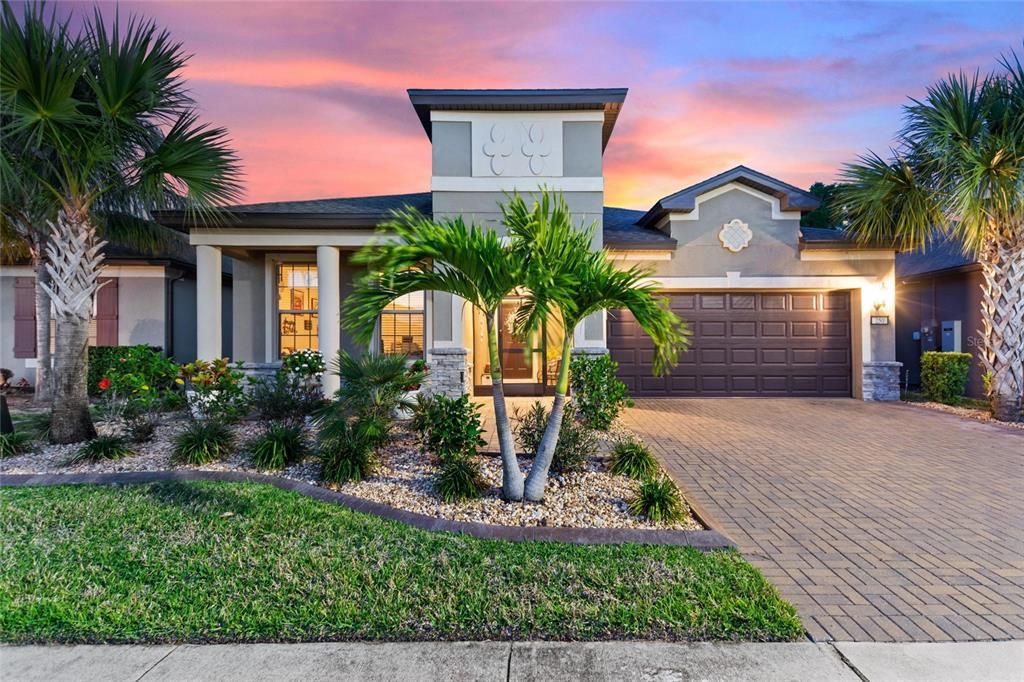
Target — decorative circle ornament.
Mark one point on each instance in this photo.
(735, 235)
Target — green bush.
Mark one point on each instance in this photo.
(598, 394)
(632, 458)
(451, 427)
(129, 368)
(12, 444)
(459, 479)
(219, 393)
(420, 420)
(102, 448)
(280, 446)
(285, 397)
(375, 386)
(202, 442)
(305, 364)
(944, 376)
(576, 440)
(347, 449)
(658, 500)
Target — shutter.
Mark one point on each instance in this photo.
(24, 317)
(106, 312)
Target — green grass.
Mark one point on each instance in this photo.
(248, 562)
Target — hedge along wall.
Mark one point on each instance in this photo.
(944, 375)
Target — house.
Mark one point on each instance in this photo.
(938, 307)
(145, 299)
(775, 310)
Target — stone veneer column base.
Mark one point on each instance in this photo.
(882, 380)
(449, 372)
(260, 370)
(589, 351)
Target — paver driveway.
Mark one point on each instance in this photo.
(878, 521)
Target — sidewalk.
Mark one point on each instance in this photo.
(520, 661)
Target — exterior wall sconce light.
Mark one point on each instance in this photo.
(880, 299)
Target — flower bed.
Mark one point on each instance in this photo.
(593, 498)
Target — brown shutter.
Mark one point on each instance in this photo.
(24, 317)
(106, 312)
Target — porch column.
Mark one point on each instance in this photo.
(328, 266)
(208, 302)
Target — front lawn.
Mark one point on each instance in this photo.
(242, 562)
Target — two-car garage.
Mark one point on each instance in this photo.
(745, 343)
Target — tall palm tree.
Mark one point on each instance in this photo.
(468, 261)
(567, 280)
(112, 123)
(957, 173)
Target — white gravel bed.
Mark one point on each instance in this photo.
(967, 413)
(593, 498)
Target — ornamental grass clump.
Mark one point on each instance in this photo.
(576, 440)
(458, 479)
(203, 442)
(12, 444)
(659, 501)
(347, 449)
(631, 458)
(102, 448)
(282, 445)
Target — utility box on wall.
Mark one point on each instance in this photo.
(952, 336)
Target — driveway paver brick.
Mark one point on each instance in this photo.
(879, 522)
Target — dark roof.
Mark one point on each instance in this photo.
(357, 212)
(791, 198)
(608, 100)
(937, 256)
(824, 234)
(622, 229)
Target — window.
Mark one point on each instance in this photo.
(401, 326)
(297, 300)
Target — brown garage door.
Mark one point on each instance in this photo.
(751, 343)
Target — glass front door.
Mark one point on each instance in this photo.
(517, 354)
(529, 363)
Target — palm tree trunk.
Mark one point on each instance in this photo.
(74, 260)
(538, 478)
(44, 371)
(511, 476)
(1002, 317)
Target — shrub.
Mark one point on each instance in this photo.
(280, 446)
(141, 428)
(36, 423)
(284, 397)
(218, 389)
(658, 500)
(944, 375)
(126, 369)
(102, 448)
(347, 450)
(459, 479)
(632, 458)
(598, 394)
(453, 427)
(576, 440)
(305, 364)
(375, 386)
(12, 444)
(203, 442)
(420, 421)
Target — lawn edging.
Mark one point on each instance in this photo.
(698, 539)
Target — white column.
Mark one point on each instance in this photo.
(328, 266)
(208, 302)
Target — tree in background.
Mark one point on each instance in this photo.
(823, 215)
(112, 132)
(957, 173)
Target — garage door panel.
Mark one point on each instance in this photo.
(745, 343)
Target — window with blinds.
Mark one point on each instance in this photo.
(401, 326)
(297, 301)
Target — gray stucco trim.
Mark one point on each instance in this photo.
(581, 149)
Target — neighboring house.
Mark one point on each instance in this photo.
(146, 299)
(775, 311)
(938, 307)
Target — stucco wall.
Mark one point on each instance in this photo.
(7, 359)
(141, 311)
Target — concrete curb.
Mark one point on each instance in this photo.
(699, 539)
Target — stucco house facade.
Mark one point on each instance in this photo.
(775, 310)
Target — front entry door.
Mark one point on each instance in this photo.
(516, 353)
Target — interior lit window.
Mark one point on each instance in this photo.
(297, 300)
(401, 326)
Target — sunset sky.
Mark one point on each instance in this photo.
(314, 93)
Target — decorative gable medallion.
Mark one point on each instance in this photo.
(735, 235)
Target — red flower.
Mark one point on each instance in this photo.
(104, 384)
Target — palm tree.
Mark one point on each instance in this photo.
(468, 261)
(958, 173)
(568, 280)
(117, 135)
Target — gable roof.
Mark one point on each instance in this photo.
(608, 100)
(936, 256)
(622, 230)
(791, 198)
